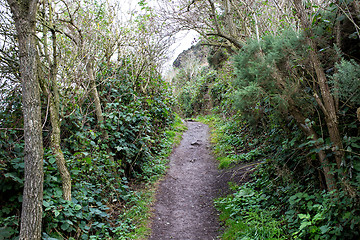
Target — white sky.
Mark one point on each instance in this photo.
(184, 40)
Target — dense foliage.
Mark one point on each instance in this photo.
(103, 180)
(270, 114)
(115, 116)
(284, 195)
(282, 90)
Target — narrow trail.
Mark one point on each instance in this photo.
(184, 203)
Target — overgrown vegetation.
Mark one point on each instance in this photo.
(115, 119)
(269, 107)
(282, 85)
(107, 200)
(278, 202)
(233, 142)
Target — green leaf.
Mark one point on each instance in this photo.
(14, 177)
(119, 148)
(6, 232)
(355, 145)
(341, 17)
(52, 160)
(87, 160)
(46, 204)
(65, 226)
(304, 225)
(77, 207)
(317, 217)
(57, 213)
(324, 229)
(304, 216)
(69, 222)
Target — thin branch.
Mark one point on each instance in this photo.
(230, 39)
(18, 129)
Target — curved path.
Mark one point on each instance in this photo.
(184, 203)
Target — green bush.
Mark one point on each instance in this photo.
(191, 97)
(246, 219)
(284, 194)
(105, 170)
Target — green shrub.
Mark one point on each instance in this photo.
(106, 201)
(245, 218)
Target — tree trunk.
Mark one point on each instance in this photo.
(229, 19)
(52, 91)
(24, 15)
(56, 140)
(98, 109)
(55, 136)
(326, 102)
(56, 149)
(310, 132)
(55, 124)
(94, 92)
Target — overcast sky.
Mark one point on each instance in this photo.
(184, 40)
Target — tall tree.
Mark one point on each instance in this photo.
(24, 15)
(324, 98)
(91, 41)
(51, 89)
(227, 23)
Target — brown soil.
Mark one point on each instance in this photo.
(184, 203)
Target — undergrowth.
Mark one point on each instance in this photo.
(231, 142)
(104, 204)
(244, 217)
(139, 213)
(277, 203)
(241, 212)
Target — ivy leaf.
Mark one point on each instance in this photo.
(65, 226)
(6, 232)
(46, 204)
(355, 145)
(119, 148)
(318, 217)
(304, 216)
(77, 207)
(52, 159)
(324, 229)
(304, 225)
(14, 177)
(57, 213)
(87, 160)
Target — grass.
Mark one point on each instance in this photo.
(222, 139)
(231, 142)
(245, 218)
(257, 225)
(139, 208)
(241, 213)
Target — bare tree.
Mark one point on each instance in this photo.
(228, 23)
(91, 42)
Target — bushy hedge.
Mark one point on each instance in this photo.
(104, 170)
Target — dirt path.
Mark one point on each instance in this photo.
(184, 204)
